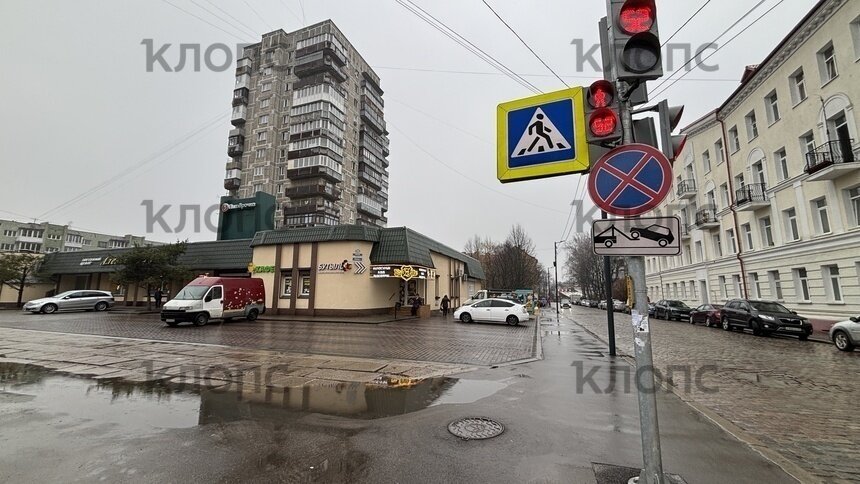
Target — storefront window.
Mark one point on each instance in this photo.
(288, 285)
(306, 285)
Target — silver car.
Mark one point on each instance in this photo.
(846, 335)
(72, 301)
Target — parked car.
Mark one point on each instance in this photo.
(651, 308)
(708, 314)
(72, 301)
(671, 309)
(592, 303)
(494, 309)
(846, 334)
(619, 306)
(602, 304)
(565, 304)
(585, 303)
(208, 298)
(764, 318)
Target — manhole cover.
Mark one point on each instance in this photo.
(476, 428)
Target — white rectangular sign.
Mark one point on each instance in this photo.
(637, 236)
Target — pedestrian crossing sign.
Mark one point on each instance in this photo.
(542, 136)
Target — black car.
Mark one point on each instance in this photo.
(671, 309)
(658, 233)
(764, 318)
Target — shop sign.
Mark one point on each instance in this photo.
(226, 207)
(254, 269)
(88, 261)
(401, 272)
(334, 268)
(107, 261)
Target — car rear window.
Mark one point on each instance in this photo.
(502, 304)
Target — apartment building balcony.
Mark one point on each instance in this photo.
(833, 160)
(310, 209)
(707, 219)
(232, 184)
(240, 96)
(317, 63)
(751, 197)
(239, 115)
(323, 190)
(686, 233)
(243, 66)
(327, 47)
(369, 176)
(687, 189)
(323, 172)
(235, 145)
(372, 119)
(29, 240)
(368, 209)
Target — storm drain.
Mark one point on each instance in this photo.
(476, 428)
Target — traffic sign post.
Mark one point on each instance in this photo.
(542, 136)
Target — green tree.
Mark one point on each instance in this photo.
(151, 267)
(16, 269)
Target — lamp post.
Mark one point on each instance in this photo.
(555, 264)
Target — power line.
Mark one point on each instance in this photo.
(288, 9)
(248, 29)
(661, 91)
(231, 34)
(203, 7)
(467, 177)
(486, 73)
(685, 23)
(269, 26)
(750, 11)
(466, 44)
(524, 43)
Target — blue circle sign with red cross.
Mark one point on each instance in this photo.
(630, 180)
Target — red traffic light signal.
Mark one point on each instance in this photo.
(637, 40)
(603, 121)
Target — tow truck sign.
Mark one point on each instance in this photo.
(637, 236)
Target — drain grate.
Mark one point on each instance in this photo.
(476, 428)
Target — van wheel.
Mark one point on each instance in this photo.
(201, 319)
(512, 320)
(466, 318)
(101, 306)
(726, 325)
(252, 315)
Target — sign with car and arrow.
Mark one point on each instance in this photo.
(637, 236)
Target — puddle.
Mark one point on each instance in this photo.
(146, 407)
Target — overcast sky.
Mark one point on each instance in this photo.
(88, 134)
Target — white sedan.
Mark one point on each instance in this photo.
(500, 310)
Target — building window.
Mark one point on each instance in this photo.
(10, 233)
(827, 63)
(683, 289)
(103, 245)
(282, 171)
(832, 283)
(758, 173)
(261, 136)
(736, 285)
(258, 171)
(734, 140)
(807, 144)
(700, 252)
(798, 87)
(781, 159)
(748, 236)
(855, 36)
(801, 283)
(7, 246)
(267, 71)
(260, 153)
(771, 102)
(752, 126)
(718, 245)
(822, 219)
(266, 86)
(775, 285)
(755, 285)
(287, 285)
(264, 119)
(258, 187)
(305, 281)
(792, 232)
(719, 151)
(706, 161)
(265, 102)
(724, 195)
(854, 205)
(730, 239)
(766, 232)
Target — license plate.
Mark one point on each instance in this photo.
(170, 320)
(789, 328)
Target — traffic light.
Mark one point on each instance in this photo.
(670, 117)
(602, 114)
(636, 40)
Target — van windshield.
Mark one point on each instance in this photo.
(192, 293)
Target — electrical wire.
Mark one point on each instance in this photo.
(525, 43)
(246, 28)
(661, 91)
(254, 10)
(231, 34)
(685, 23)
(747, 14)
(466, 44)
(486, 73)
(228, 22)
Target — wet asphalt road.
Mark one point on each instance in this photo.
(554, 432)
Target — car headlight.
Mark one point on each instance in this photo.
(766, 317)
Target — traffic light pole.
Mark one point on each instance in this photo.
(610, 307)
(555, 264)
(646, 387)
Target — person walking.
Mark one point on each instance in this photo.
(444, 305)
(416, 304)
(158, 296)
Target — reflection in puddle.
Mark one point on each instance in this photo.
(140, 407)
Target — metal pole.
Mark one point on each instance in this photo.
(555, 263)
(610, 310)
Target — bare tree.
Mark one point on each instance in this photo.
(585, 270)
(509, 265)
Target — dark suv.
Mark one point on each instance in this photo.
(764, 318)
(671, 309)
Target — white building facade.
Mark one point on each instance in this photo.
(768, 184)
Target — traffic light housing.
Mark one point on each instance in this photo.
(602, 114)
(670, 117)
(636, 40)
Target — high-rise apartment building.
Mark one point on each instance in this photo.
(309, 129)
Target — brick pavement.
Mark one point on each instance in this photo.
(422, 340)
(799, 399)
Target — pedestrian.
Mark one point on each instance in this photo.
(444, 305)
(158, 296)
(416, 303)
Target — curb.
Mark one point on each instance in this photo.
(770, 455)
